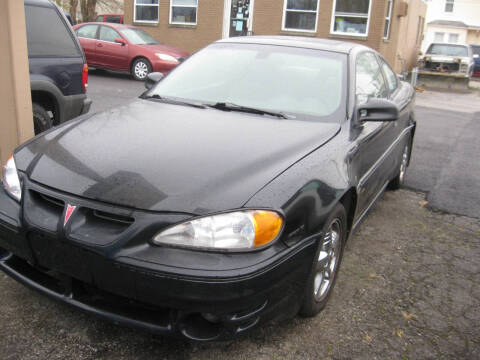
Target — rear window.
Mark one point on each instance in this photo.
(448, 50)
(47, 34)
(113, 19)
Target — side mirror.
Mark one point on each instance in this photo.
(121, 42)
(152, 79)
(376, 110)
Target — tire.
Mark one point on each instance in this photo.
(140, 69)
(328, 257)
(41, 120)
(397, 181)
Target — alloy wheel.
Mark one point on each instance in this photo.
(327, 262)
(141, 70)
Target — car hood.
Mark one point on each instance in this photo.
(165, 49)
(162, 157)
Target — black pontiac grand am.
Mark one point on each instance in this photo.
(220, 199)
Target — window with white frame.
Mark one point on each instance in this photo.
(351, 17)
(452, 38)
(183, 12)
(388, 20)
(145, 11)
(300, 15)
(438, 37)
(449, 5)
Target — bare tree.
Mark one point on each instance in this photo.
(111, 6)
(88, 9)
(73, 5)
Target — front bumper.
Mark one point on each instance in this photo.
(202, 296)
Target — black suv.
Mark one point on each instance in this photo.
(58, 70)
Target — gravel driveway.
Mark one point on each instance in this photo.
(408, 289)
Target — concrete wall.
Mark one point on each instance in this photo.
(16, 123)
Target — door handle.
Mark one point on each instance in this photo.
(99, 45)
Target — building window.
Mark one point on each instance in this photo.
(300, 15)
(453, 38)
(388, 20)
(449, 5)
(439, 37)
(145, 11)
(183, 12)
(351, 17)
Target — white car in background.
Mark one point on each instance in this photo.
(454, 60)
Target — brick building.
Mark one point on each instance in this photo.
(393, 27)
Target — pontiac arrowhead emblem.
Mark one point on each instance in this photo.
(68, 213)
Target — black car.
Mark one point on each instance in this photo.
(220, 199)
(58, 69)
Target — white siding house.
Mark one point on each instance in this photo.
(453, 21)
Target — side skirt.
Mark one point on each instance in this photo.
(361, 217)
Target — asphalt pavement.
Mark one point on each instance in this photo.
(445, 161)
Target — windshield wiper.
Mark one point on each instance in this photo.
(228, 106)
(173, 101)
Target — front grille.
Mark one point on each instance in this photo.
(442, 67)
(93, 224)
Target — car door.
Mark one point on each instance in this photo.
(87, 35)
(372, 138)
(401, 96)
(112, 55)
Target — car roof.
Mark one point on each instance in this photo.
(445, 43)
(114, 25)
(297, 41)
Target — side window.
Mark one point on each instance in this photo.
(108, 34)
(369, 79)
(47, 34)
(391, 77)
(99, 18)
(87, 31)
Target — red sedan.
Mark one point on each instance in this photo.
(126, 48)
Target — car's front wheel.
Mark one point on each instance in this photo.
(325, 263)
(140, 69)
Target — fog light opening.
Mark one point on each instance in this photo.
(197, 327)
(215, 319)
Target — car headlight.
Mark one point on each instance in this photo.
(10, 179)
(166, 57)
(239, 230)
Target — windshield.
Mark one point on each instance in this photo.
(476, 50)
(309, 84)
(449, 50)
(138, 37)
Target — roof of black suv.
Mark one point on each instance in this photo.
(38, 2)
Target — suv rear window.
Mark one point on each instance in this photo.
(47, 34)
